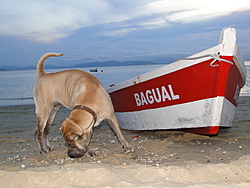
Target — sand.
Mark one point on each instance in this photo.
(162, 158)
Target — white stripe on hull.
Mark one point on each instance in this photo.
(216, 111)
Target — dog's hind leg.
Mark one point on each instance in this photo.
(41, 123)
(43, 112)
(113, 122)
(47, 126)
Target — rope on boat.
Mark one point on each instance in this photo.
(216, 57)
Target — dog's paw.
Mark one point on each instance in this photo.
(91, 153)
(42, 150)
(129, 149)
(50, 149)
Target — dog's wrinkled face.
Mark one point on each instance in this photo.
(76, 139)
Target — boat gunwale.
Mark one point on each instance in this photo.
(239, 62)
(165, 69)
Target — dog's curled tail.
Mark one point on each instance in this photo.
(40, 65)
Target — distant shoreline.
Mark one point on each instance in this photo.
(84, 65)
(90, 65)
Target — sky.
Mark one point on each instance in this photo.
(122, 30)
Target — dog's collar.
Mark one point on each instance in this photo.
(87, 109)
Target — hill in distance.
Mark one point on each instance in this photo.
(82, 65)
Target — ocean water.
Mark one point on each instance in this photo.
(16, 87)
(245, 91)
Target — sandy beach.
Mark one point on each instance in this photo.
(162, 158)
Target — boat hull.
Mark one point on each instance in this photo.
(200, 94)
(205, 113)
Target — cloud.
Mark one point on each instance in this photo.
(165, 13)
(49, 20)
(194, 10)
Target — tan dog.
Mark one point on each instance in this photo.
(77, 90)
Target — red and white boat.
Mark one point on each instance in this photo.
(198, 93)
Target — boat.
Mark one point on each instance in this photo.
(93, 70)
(196, 94)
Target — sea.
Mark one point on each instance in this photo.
(16, 87)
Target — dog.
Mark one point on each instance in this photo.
(85, 95)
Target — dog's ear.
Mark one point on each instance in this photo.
(71, 130)
(73, 136)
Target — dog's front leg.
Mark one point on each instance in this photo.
(115, 126)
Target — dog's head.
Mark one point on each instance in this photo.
(75, 138)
